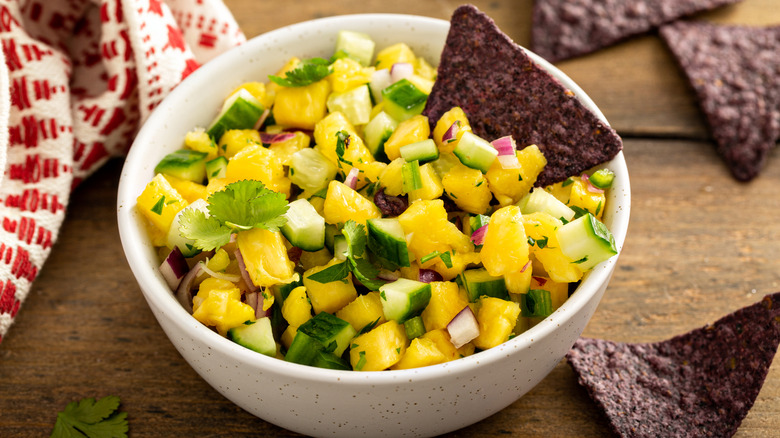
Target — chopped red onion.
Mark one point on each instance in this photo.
(478, 236)
(174, 268)
(244, 273)
(591, 188)
(251, 299)
(506, 148)
(259, 312)
(261, 120)
(463, 328)
(352, 178)
(452, 132)
(380, 80)
(540, 280)
(401, 70)
(279, 137)
(184, 291)
(508, 161)
(526, 266)
(428, 276)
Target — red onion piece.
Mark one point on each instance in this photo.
(380, 80)
(508, 161)
(505, 145)
(429, 275)
(261, 120)
(540, 280)
(452, 132)
(184, 291)
(401, 70)
(267, 138)
(386, 275)
(173, 268)
(463, 328)
(478, 236)
(352, 178)
(591, 188)
(251, 299)
(526, 266)
(244, 274)
(259, 312)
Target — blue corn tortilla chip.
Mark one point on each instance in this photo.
(503, 92)
(735, 72)
(564, 29)
(699, 384)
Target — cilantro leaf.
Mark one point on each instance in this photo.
(342, 143)
(93, 419)
(308, 72)
(207, 232)
(337, 272)
(248, 204)
(355, 234)
(366, 273)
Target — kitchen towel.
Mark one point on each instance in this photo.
(77, 79)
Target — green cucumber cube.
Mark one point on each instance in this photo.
(305, 228)
(310, 170)
(240, 111)
(586, 241)
(403, 100)
(255, 335)
(357, 45)
(414, 327)
(355, 104)
(475, 152)
(184, 164)
(540, 200)
(411, 177)
(404, 299)
(478, 282)
(422, 151)
(386, 239)
(216, 168)
(377, 131)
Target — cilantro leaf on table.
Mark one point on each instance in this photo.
(93, 419)
(308, 72)
(207, 232)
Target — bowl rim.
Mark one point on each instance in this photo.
(134, 242)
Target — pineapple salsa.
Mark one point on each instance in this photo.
(321, 221)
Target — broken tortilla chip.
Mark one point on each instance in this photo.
(504, 92)
(702, 383)
(735, 72)
(564, 29)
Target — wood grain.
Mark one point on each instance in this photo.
(700, 245)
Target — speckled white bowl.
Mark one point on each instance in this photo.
(320, 402)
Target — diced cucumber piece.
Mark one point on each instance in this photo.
(475, 152)
(255, 335)
(404, 299)
(323, 333)
(478, 282)
(310, 170)
(414, 327)
(331, 231)
(537, 303)
(444, 164)
(216, 168)
(478, 221)
(377, 131)
(422, 151)
(330, 361)
(543, 201)
(411, 178)
(240, 111)
(386, 239)
(186, 246)
(403, 100)
(355, 104)
(184, 164)
(586, 241)
(282, 291)
(357, 45)
(602, 178)
(340, 247)
(305, 228)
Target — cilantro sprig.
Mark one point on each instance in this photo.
(93, 419)
(308, 72)
(240, 206)
(356, 262)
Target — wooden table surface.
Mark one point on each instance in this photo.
(700, 245)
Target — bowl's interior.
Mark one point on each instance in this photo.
(195, 102)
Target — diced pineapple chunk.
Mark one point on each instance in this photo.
(518, 282)
(258, 163)
(431, 185)
(460, 260)
(497, 318)
(296, 309)
(329, 297)
(258, 90)
(455, 115)
(447, 300)
(189, 190)
(392, 178)
(272, 88)
(343, 203)
(234, 140)
(583, 198)
(379, 349)
(442, 340)
(505, 249)
(541, 228)
(427, 229)
(285, 149)
(160, 202)
(363, 311)
(326, 140)
(265, 257)
(399, 52)
(510, 185)
(348, 74)
(409, 131)
(559, 292)
(218, 304)
(310, 259)
(199, 140)
(561, 190)
(422, 352)
(424, 69)
(468, 188)
(301, 107)
(288, 335)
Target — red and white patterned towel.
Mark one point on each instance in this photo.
(77, 79)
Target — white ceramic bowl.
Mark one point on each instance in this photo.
(418, 402)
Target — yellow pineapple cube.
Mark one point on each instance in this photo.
(399, 52)
(412, 130)
(285, 149)
(329, 297)
(199, 140)
(460, 261)
(310, 259)
(288, 335)
(258, 90)
(219, 305)
(447, 300)
(455, 115)
(348, 74)
(265, 257)
(392, 178)
(468, 188)
(379, 349)
(561, 190)
(234, 140)
(296, 309)
(364, 310)
(505, 249)
(497, 318)
(442, 340)
(427, 230)
(431, 185)
(272, 88)
(301, 107)
(559, 292)
(424, 69)
(258, 163)
(160, 202)
(421, 353)
(343, 203)
(518, 282)
(189, 190)
(542, 229)
(510, 185)
(326, 140)
(581, 197)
